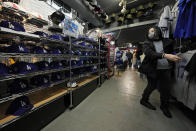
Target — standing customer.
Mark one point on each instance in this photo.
(129, 56)
(157, 66)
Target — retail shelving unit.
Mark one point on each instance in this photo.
(52, 95)
(51, 100)
(111, 54)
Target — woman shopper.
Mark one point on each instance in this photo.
(157, 66)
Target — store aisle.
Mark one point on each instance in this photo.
(115, 107)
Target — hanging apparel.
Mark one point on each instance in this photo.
(174, 12)
(186, 23)
(165, 22)
(183, 89)
(191, 68)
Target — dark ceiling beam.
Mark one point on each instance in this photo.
(85, 13)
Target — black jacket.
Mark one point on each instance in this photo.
(149, 64)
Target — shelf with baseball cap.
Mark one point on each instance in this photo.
(27, 104)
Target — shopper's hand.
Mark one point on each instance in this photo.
(171, 57)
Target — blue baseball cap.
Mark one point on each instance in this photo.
(22, 68)
(41, 80)
(85, 53)
(18, 86)
(56, 51)
(43, 65)
(39, 50)
(14, 48)
(65, 63)
(56, 77)
(94, 68)
(71, 52)
(80, 62)
(12, 25)
(57, 37)
(77, 52)
(3, 70)
(19, 106)
(56, 65)
(40, 33)
(82, 43)
(74, 63)
(90, 46)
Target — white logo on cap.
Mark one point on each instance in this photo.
(28, 67)
(60, 64)
(44, 51)
(10, 25)
(46, 64)
(23, 86)
(45, 80)
(21, 48)
(22, 103)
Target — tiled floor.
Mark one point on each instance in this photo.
(115, 107)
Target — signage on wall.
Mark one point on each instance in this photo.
(70, 27)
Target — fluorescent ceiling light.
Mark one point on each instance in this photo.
(132, 2)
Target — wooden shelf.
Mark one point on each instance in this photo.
(38, 99)
(84, 82)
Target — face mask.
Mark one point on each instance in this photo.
(151, 35)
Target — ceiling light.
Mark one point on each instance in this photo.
(132, 2)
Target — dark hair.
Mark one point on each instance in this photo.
(158, 33)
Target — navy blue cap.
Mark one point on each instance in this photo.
(74, 63)
(77, 52)
(65, 63)
(41, 80)
(12, 25)
(39, 50)
(56, 51)
(19, 106)
(14, 48)
(57, 37)
(82, 44)
(40, 33)
(43, 65)
(22, 68)
(56, 77)
(90, 46)
(80, 62)
(56, 65)
(85, 53)
(18, 86)
(94, 53)
(94, 68)
(71, 52)
(3, 70)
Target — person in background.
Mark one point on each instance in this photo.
(138, 59)
(134, 60)
(130, 57)
(157, 66)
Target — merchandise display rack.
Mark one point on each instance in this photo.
(10, 119)
(56, 91)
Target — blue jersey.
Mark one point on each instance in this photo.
(186, 23)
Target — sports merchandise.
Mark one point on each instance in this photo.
(19, 106)
(22, 68)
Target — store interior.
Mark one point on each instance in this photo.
(70, 65)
